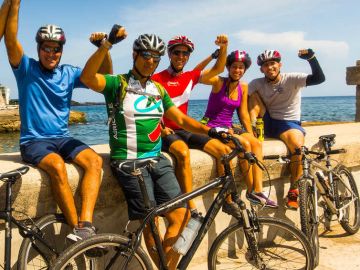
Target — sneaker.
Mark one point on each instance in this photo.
(231, 209)
(292, 199)
(261, 198)
(81, 233)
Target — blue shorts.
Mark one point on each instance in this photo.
(160, 181)
(274, 128)
(34, 151)
(193, 140)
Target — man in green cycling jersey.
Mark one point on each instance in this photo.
(135, 106)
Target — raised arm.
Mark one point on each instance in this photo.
(90, 76)
(4, 10)
(317, 75)
(13, 46)
(106, 67)
(207, 60)
(206, 75)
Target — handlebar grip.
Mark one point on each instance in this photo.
(336, 151)
(250, 157)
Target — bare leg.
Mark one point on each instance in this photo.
(183, 169)
(90, 185)
(54, 166)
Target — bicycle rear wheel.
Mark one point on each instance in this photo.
(347, 197)
(35, 255)
(309, 224)
(280, 246)
(102, 251)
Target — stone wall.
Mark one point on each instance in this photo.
(32, 194)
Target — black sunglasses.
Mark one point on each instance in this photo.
(148, 55)
(179, 52)
(51, 49)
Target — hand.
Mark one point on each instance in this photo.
(306, 54)
(219, 133)
(117, 34)
(97, 37)
(221, 40)
(215, 54)
(166, 131)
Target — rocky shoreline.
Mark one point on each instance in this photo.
(10, 119)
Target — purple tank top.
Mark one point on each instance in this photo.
(221, 108)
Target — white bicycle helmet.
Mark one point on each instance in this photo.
(149, 42)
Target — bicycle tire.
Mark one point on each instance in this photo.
(351, 219)
(280, 245)
(309, 226)
(54, 229)
(106, 246)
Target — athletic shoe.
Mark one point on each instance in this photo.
(231, 209)
(292, 199)
(261, 198)
(81, 233)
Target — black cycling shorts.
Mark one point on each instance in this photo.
(193, 140)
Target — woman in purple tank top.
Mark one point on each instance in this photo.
(227, 95)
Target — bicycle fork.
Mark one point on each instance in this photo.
(249, 231)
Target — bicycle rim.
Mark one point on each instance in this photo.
(34, 255)
(345, 197)
(309, 225)
(279, 244)
(103, 251)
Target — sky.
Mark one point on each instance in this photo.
(331, 28)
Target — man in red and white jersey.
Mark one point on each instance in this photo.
(179, 84)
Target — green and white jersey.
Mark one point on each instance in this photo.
(135, 131)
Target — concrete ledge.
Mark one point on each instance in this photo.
(32, 194)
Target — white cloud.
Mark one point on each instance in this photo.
(293, 40)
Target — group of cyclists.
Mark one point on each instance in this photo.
(148, 114)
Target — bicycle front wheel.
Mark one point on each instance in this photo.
(347, 199)
(308, 219)
(33, 253)
(279, 246)
(103, 251)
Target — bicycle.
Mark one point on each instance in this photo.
(253, 242)
(336, 186)
(43, 239)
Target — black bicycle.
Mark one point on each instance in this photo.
(250, 243)
(335, 185)
(44, 239)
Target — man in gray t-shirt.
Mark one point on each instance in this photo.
(277, 98)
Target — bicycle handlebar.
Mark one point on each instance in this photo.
(15, 173)
(249, 156)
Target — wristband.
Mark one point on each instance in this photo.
(106, 44)
(312, 57)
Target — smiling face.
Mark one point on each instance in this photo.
(236, 70)
(271, 69)
(146, 62)
(179, 56)
(50, 54)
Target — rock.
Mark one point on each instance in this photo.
(10, 119)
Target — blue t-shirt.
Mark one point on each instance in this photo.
(44, 99)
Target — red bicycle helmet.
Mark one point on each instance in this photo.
(181, 40)
(268, 55)
(238, 56)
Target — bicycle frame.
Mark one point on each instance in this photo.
(24, 231)
(228, 186)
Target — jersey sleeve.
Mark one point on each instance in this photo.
(167, 102)
(112, 83)
(196, 76)
(77, 82)
(252, 87)
(21, 71)
(299, 79)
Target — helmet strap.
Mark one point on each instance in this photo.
(142, 76)
(272, 80)
(174, 70)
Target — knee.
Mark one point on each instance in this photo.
(94, 162)
(247, 145)
(57, 171)
(182, 155)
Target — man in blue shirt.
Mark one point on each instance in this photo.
(45, 90)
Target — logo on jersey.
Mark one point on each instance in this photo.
(173, 83)
(139, 106)
(155, 134)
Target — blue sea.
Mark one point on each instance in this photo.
(95, 130)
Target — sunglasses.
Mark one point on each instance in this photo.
(51, 49)
(148, 55)
(179, 52)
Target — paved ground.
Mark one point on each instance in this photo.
(337, 251)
